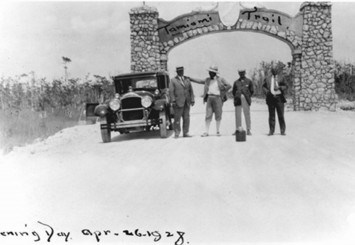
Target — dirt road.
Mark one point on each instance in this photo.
(297, 188)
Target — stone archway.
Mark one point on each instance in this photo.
(308, 34)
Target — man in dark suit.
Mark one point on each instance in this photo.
(182, 97)
(274, 88)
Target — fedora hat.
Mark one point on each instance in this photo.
(213, 69)
(179, 68)
(241, 70)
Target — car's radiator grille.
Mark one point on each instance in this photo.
(132, 103)
(132, 115)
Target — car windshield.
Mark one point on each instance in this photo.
(138, 83)
(148, 83)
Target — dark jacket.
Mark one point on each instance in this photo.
(242, 86)
(270, 98)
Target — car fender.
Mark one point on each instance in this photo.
(160, 104)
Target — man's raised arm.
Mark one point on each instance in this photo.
(194, 80)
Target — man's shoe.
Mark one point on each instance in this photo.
(271, 133)
(176, 136)
(204, 135)
(218, 134)
(248, 132)
(187, 136)
(283, 133)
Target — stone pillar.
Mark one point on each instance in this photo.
(145, 54)
(296, 75)
(317, 64)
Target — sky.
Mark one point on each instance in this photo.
(95, 36)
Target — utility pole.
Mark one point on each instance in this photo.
(66, 60)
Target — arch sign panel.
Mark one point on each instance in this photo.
(272, 17)
(224, 18)
(188, 22)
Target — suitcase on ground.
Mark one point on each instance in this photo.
(240, 135)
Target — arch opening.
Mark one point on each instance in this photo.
(241, 50)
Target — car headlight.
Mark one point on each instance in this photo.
(100, 110)
(115, 104)
(146, 101)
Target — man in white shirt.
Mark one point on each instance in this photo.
(215, 89)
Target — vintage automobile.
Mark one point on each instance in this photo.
(141, 103)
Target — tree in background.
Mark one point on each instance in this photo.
(344, 80)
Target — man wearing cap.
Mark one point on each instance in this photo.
(182, 97)
(243, 89)
(215, 90)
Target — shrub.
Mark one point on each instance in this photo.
(36, 108)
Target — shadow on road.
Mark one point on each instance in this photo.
(154, 134)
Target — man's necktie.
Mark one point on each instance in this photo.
(182, 81)
(272, 87)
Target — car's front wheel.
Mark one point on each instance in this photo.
(105, 133)
(163, 124)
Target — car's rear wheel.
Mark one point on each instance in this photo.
(105, 133)
(163, 124)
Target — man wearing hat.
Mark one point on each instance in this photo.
(275, 88)
(182, 97)
(215, 90)
(243, 89)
